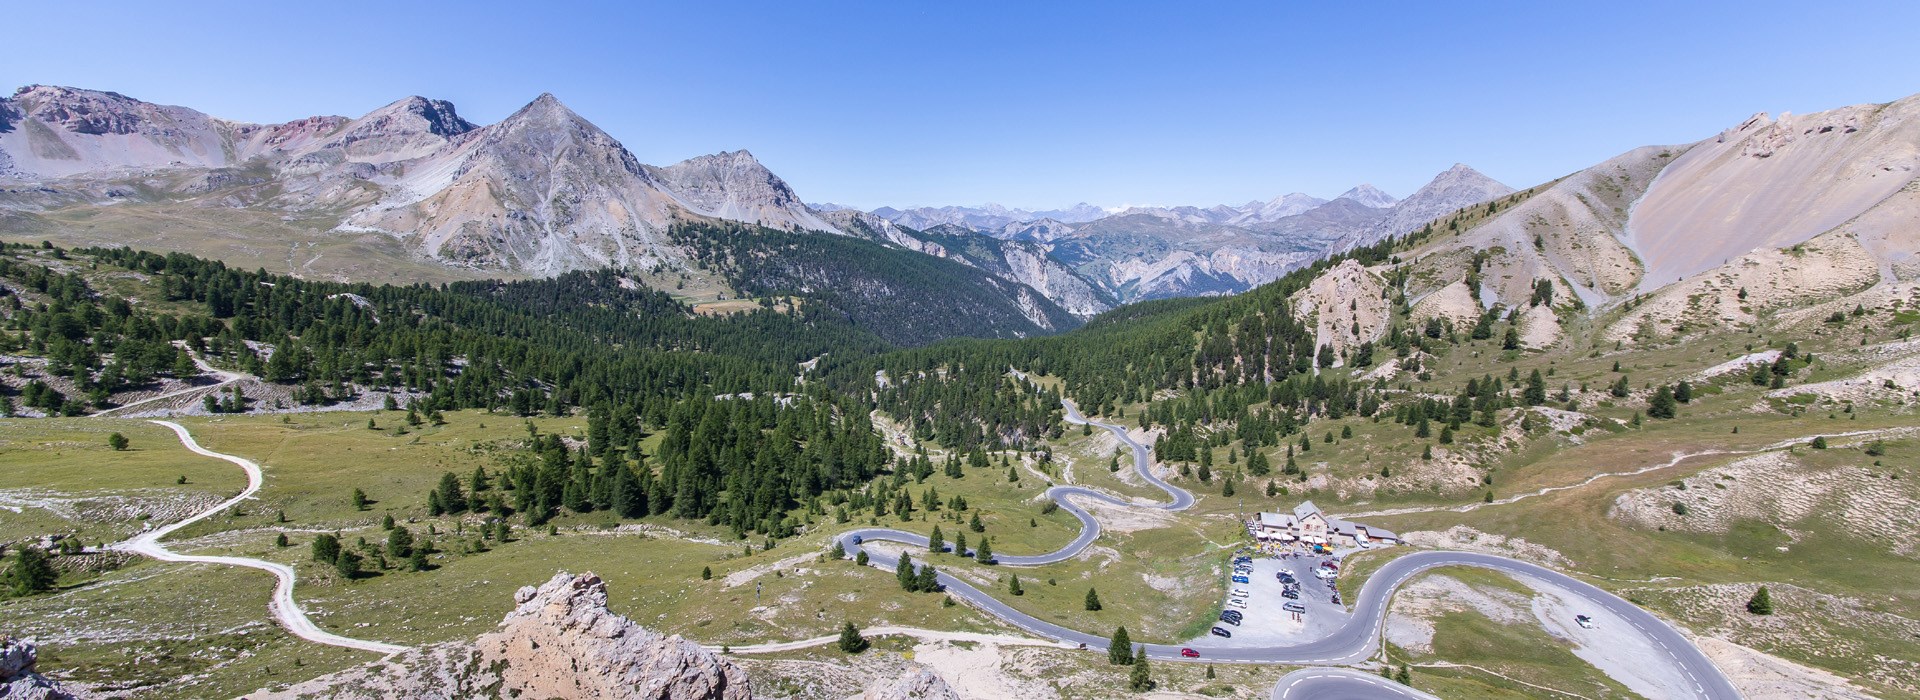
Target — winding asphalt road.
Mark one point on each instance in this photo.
(1353, 642)
(285, 609)
(1340, 684)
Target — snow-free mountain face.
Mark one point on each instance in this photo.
(1152, 252)
(1783, 220)
(543, 191)
(1368, 195)
(735, 186)
(48, 131)
(986, 217)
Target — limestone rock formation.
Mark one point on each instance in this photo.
(918, 683)
(561, 643)
(18, 679)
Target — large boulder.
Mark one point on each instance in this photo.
(18, 679)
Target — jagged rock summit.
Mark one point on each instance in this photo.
(560, 642)
(18, 679)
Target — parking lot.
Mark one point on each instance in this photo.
(1264, 620)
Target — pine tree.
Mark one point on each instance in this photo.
(860, 557)
(326, 548)
(417, 560)
(937, 542)
(1140, 680)
(1093, 600)
(386, 522)
(399, 542)
(706, 573)
(839, 551)
(1120, 650)
(960, 543)
(903, 572)
(1404, 676)
(1662, 403)
(1226, 488)
(32, 572)
(851, 641)
(359, 499)
(118, 442)
(984, 553)
(451, 497)
(927, 581)
(347, 564)
(1761, 603)
(1013, 585)
(280, 540)
(975, 524)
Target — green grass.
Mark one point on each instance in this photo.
(65, 463)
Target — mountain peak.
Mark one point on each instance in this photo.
(544, 107)
(432, 116)
(1369, 195)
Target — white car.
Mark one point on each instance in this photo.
(1241, 604)
(1583, 621)
(1238, 593)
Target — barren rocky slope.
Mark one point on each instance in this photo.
(543, 191)
(1765, 218)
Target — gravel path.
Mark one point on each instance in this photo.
(284, 607)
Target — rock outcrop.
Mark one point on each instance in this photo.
(19, 680)
(561, 643)
(919, 683)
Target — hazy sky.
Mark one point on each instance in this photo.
(1034, 104)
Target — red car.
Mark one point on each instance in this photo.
(1189, 653)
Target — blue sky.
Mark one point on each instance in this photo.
(1033, 104)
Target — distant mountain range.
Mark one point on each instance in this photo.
(1153, 252)
(544, 191)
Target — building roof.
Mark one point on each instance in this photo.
(1381, 534)
(1305, 509)
(1276, 520)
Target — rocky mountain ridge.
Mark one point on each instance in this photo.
(1782, 219)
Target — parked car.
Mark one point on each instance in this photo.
(1242, 579)
(856, 539)
(1222, 632)
(1230, 614)
(1294, 608)
(1243, 560)
(1583, 621)
(1290, 593)
(1188, 652)
(1238, 593)
(1231, 621)
(1241, 604)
